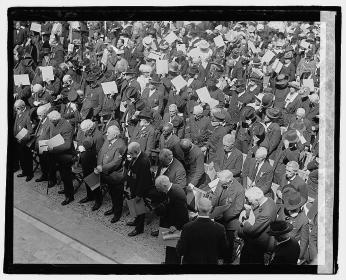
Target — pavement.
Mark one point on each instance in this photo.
(47, 232)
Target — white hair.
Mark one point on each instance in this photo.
(37, 88)
(162, 181)
(86, 125)
(145, 68)
(134, 147)
(115, 129)
(173, 107)
(198, 110)
(66, 78)
(300, 112)
(19, 103)
(262, 151)
(225, 176)
(228, 139)
(293, 164)
(54, 115)
(254, 193)
(43, 109)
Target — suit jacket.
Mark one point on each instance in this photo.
(256, 236)
(298, 183)
(139, 177)
(23, 121)
(111, 157)
(233, 163)
(206, 248)
(194, 163)
(65, 129)
(145, 137)
(173, 211)
(175, 172)
(154, 100)
(195, 130)
(286, 253)
(93, 100)
(300, 230)
(215, 141)
(272, 139)
(234, 195)
(42, 131)
(172, 144)
(95, 136)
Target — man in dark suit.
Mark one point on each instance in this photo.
(22, 121)
(273, 132)
(19, 35)
(229, 192)
(171, 141)
(42, 133)
(206, 248)
(140, 182)
(144, 132)
(259, 173)
(172, 168)
(229, 157)
(292, 178)
(172, 211)
(89, 141)
(255, 233)
(194, 163)
(286, 250)
(61, 156)
(110, 166)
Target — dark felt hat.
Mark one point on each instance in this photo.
(146, 114)
(130, 70)
(219, 115)
(273, 113)
(267, 100)
(291, 136)
(259, 130)
(294, 200)
(277, 228)
(155, 80)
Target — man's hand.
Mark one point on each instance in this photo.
(190, 186)
(49, 148)
(172, 229)
(279, 194)
(99, 168)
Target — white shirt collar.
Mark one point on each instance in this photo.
(264, 201)
(170, 187)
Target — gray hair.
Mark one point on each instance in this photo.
(254, 193)
(162, 181)
(134, 147)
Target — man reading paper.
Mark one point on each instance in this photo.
(60, 157)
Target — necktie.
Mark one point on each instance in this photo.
(256, 169)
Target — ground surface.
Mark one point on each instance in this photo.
(46, 232)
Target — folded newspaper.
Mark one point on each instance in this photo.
(166, 235)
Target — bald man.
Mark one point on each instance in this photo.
(24, 153)
(206, 248)
(139, 180)
(259, 173)
(110, 167)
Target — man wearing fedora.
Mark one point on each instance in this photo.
(288, 67)
(281, 91)
(286, 250)
(293, 213)
(152, 95)
(292, 102)
(170, 141)
(273, 132)
(70, 111)
(144, 132)
(129, 82)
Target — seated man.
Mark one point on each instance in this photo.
(229, 157)
(172, 211)
(259, 173)
(110, 167)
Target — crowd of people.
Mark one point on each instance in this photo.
(233, 105)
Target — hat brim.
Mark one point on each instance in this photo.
(145, 117)
(277, 233)
(294, 207)
(296, 140)
(271, 116)
(281, 82)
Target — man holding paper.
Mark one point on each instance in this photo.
(22, 131)
(61, 151)
(228, 201)
(172, 211)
